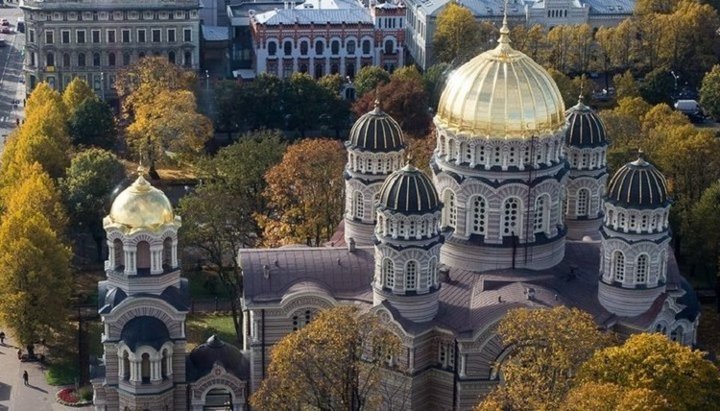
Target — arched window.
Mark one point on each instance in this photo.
(304, 48)
(319, 47)
(621, 221)
(126, 59)
(187, 59)
(478, 213)
(301, 319)
(50, 59)
(541, 214)
(119, 253)
(171, 57)
(449, 211)
(350, 47)
(163, 363)
(389, 49)
(66, 60)
(663, 273)
(511, 217)
(582, 202)
(677, 334)
(81, 59)
(432, 272)
(641, 269)
(287, 47)
(358, 205)
(126, 366)
(143, 256)
(388, 270)
(272, 48)
(111, 59)
(145, 368)
(335, 47)
(167, 252)
(411, 275)
(618, 266)
(96, 59)
(366, 46)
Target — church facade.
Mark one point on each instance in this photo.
(518, 212)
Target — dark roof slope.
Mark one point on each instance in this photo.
(638, 185)
(200, 361)
(409, 191)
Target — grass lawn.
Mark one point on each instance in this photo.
(204, 284)
(201, 327)
(63, 372)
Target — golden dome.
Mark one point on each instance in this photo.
(501, 93)
(141, 206)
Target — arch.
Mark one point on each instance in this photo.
(582, 202)
(511, 217)
(164, 363)
(389, 46)
(411, 275)
(143, 256)
(478, 215)
(218, 398)
(641, 269)
(287, 47)
(366, 46)
(126, 365)
(449, 211)
(335, 47)
(119, 253)
(350, 47)
(319, 47)
(618, 266)
(388, 273)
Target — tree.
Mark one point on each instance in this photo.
(304, 194)
(529, 40)
(305, 101)
(92, 124)
(34, 292)
(611, 397)
(457, 35)
(549, 347)
(171, 123)
(336, 362)
(568, 89)
(369, 78)
(623, 125)
(89, 184)
(41, 95)
(229, 107)
(404, 100)
(218, 217)
(703, 246)
(559, 40)
(434, 82)
(76, 93)
(651, 361)
(710, 92)
(332, 82)
(407, 73)
(625, 85)
(265, 105)
(139, 84)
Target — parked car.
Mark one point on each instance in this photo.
(692, 109)
(6, 30)
(4, 22)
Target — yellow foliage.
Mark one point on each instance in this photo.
(612, 397)
(40, 96)
(76, 93)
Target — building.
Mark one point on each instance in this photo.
(422, 16)
(322, 37)
(93, 39)
(514, 215)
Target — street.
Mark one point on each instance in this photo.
(12, 91)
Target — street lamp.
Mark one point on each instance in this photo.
(207, 80)
(102, 85)
(675, 77)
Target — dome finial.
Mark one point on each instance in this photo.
(580, 97)
(504, 39)
(641, 158)
(141, 170)
(376, 105)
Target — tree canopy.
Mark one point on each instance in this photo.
(369, 78)
(92, 124)
(710, 92)
(76, 93)
(457, 35)
(336, 362)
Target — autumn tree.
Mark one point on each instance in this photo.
(76, 93)
(337, 362)
(34, 292)
(651, 361)
(617, 46)
(92, 124)
(434, 80)
(549, 347)
(623, 125)
(41, 95)
(457, 35)
(304, 194)
(404, 99)
(87, 189)
(625, 85)
(710, 92)
(529, 40)
(703, 246)
(369, 78)
(218, 216)
(612, 397)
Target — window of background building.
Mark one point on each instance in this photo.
(319, 47)
(187, 60)
(111, 59)
(171, 57)
(126, 36)
(171, 35)
(96, 59)
(96, 36)
(366, 46)
(49, 37)
(304, 48)
(111, 36)
(335, 47)
(126, 59)
(65, 37)
(156, 35)
(187, 35)
(50, 59)
(350, 47)
(81, 59)
(272, 48)
(80, 36)
(141, 36)
(66, 60)
(287, 48)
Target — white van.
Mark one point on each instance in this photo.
(690, 108)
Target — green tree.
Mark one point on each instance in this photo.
(434, 82)
(305, 102)
(369, 78)
(92, 124)
(304, 194)
(87, 189)
(218, 217)
(651, 361)
(457, 35)
(407, 73)
(549, 347)
(326, 364)
(228, 104)
(703, 246)
(76, 93)
(568, 89)
(625, 85)
(710, 92)
(332, 82)
(265, 108)
(34, 292)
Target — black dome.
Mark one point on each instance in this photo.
(204, 356)
(409, 191)
(377, 132)
(585, 128)
(638, 185)
(145, 330)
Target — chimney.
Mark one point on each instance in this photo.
(351, 245)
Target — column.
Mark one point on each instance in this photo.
(128, 262)
(111, 254)
(463, 359)
(174, 261)
(168, 366)
(134, 371)
(121, 367)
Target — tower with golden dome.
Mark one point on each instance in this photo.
(499, 166)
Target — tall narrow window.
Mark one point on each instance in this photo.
(359, 205)
(287, 47)
(582, 202)
(641, 269)
(619, 266)
(541, 212)
(511, 217)
(449, 211)
(272, 48)
(411, 275)
(432, 272)
(477, 217)
(388, 270)
(145, 368)
(366, 46)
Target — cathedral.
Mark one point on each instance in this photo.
(519, 212)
